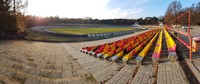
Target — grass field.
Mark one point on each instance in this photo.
(48, 38)
(87, 30)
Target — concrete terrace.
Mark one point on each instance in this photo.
(28, 62)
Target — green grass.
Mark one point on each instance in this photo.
(44, 37)
(87, 30)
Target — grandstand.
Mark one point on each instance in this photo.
(135, 47)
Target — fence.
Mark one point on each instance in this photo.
(10, 36)
(183, 19)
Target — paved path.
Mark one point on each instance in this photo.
(39, 63)
(194, 31)
(124, 76)
(171, 73)
(144, 75)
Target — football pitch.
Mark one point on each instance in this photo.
(81, 31)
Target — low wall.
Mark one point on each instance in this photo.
(110, 34)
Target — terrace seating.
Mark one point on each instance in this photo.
(121, 53)
(171, 45)
(157, 50)
(134, 51)
(170, 42)
(104, 50)
(125, 47)
(89, 49)
(100, 49)
(144, 52)
(128, 47)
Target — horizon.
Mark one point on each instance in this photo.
(101, 9)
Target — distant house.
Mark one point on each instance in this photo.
(176, 26)
(161, 24)
(136, 24)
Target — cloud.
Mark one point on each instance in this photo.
(68, 8)
(129, 8)
(101, 9)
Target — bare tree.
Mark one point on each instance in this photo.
(19, 9)
(12, 19)
(172, 11)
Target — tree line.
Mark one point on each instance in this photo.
(175, 9)
(14, 21)
(39, 21)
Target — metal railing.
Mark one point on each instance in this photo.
(170, 28)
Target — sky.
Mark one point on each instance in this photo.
(101, 9)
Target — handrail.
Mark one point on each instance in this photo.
(189, 46)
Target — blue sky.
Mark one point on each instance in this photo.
(102, 9)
